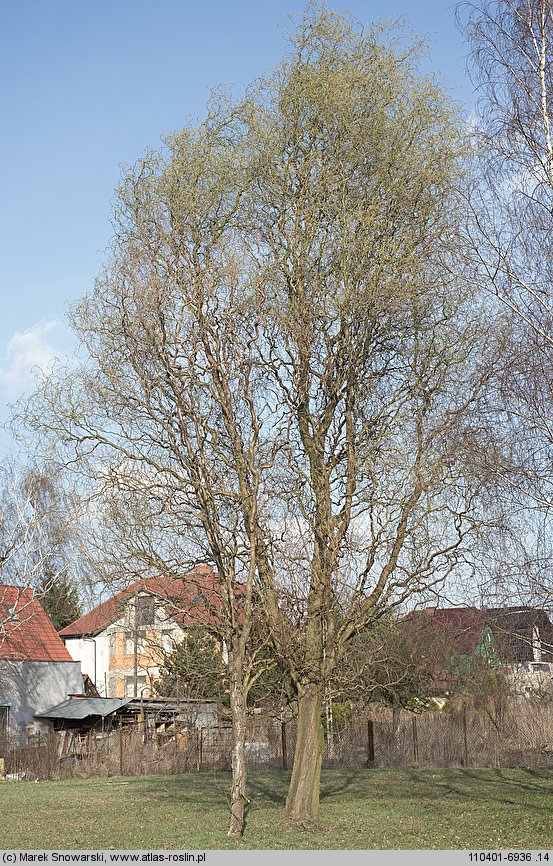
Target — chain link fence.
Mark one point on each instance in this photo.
(523, 737)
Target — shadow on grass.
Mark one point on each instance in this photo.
(521, 787)
(189, 787)
(486, 786)
(353, 782)
(269, 786)
(273, 786)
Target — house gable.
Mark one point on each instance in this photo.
(121, 643)
(192, 599)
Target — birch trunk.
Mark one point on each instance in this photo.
(238, 759)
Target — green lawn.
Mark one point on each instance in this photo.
(364, 809)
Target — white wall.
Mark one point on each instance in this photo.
(30, 687)
(93, 654)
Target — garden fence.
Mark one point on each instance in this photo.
(523, 737)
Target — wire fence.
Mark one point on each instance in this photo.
(523, 737)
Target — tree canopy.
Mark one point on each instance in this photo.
(283, 366)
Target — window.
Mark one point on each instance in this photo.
(141, 682)
(145, 610)
(167, 640)
(112, 644)
(4, 723)
(130, 639)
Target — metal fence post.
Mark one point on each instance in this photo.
(415, 740)
(465, 737)
(284, 746)
(370, 743)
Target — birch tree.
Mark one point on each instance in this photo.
(39, 539)
(510, 232)
(163, 420)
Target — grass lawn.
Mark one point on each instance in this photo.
(363, 809)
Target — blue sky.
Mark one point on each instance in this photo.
(88, 87)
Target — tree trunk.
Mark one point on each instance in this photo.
(238, 789)
(302, 802)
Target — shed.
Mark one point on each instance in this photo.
(83, 714)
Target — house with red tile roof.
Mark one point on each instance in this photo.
(465, 630)
(36, 671)
(122, 641)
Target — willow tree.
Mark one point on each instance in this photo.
(160, 423)
(282, 362)
(370, 345)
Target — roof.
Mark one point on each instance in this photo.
(82, 708)
(26, 632)
(78, 708)
(516, 629)
(518, 618)
(191, 600)
(512, 629)
(463, 625)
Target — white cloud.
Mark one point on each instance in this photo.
(27, 353)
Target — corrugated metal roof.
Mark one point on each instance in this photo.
(168, 705)
(82, 708)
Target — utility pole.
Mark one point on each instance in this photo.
(135, 643)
